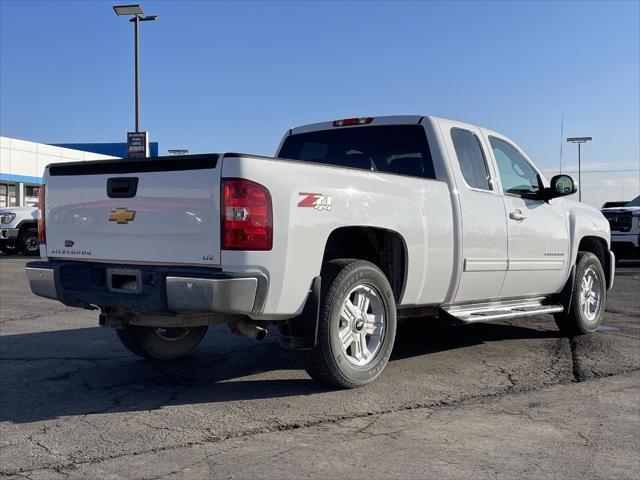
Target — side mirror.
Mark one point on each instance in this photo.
(561, 185)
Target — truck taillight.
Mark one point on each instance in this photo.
(247, 216)
(42, 231)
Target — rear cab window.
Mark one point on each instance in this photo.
(473, 163)
(399, 149)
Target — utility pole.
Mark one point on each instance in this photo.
(137, 142)
(137, 87)
(579, 141)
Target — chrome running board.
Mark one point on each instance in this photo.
(487, 311)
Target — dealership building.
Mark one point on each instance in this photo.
(22, 164)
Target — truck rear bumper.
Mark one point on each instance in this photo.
(148, 289)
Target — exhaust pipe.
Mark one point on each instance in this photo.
(248, 329)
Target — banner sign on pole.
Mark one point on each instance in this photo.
(137, 144)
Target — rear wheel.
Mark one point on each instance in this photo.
(161, 343)
(357, 325)
(588, 299)
(28, 241)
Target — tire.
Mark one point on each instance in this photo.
(28, 242)
(161, 343)
(588, 298)
(345, 363)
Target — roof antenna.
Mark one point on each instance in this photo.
(561, 139)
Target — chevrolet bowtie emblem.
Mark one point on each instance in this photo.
(122, 215)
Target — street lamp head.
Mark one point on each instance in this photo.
(127, 9)
(579, 139)
(146, 18)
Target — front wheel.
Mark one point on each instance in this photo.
(161, 343)
(28, 241)
(588, 299)
(357, 324)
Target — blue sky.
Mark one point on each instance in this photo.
(233, 76)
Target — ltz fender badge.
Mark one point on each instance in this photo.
(315, 200)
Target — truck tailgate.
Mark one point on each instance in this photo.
(163, 210)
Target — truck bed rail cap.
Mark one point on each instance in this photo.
(128, 165)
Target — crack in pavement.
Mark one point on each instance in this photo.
(282, 427)
(575, 361)
(568, 362)
(66, 359)
(33, 316)
(529, 416)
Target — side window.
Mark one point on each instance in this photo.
(516, 173)
(471, 158)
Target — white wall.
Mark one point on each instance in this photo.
(23, 158)
(22, 164)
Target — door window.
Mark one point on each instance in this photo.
(471, 159)
(517, 175)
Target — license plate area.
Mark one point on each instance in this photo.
(124, 280)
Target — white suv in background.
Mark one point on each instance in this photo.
(19, 230)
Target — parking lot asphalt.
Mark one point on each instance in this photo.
(495, 400)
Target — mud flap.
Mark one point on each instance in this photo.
(301, 332)
(566, 294)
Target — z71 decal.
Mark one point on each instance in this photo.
(315, 200)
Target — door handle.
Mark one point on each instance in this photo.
(122, 187)
(517, 215)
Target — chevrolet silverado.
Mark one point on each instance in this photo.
(353, 224)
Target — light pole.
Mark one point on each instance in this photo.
(135, 11)
(579, 141)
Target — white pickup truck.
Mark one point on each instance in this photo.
(624, 221)
(353, 224)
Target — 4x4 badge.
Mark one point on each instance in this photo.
(122, 215)
(315, 200)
